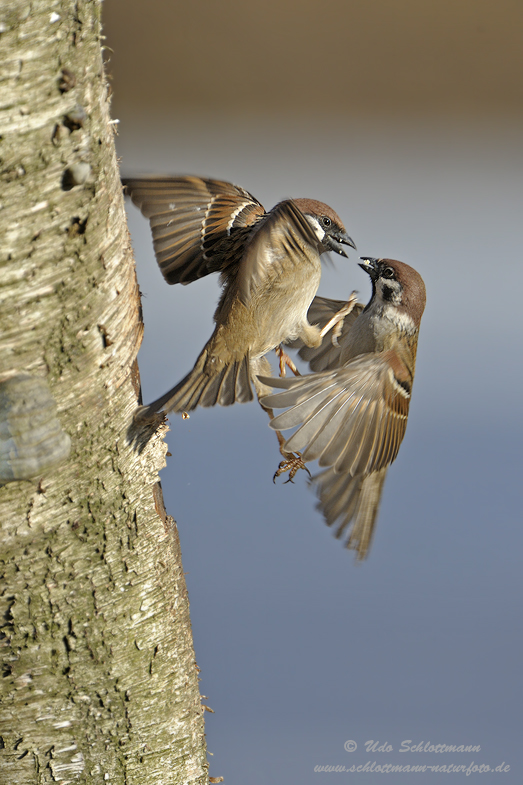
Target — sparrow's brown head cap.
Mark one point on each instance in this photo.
(327, 225)
(313, 207)
(413, 293)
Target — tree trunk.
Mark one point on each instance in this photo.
(100, 680)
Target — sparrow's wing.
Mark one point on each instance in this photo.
(284, 237)
(326, 357)
(353, 418)
(344, 499)
(190, 219)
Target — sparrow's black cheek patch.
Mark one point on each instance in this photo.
(387, 293)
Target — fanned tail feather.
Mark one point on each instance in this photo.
(208, 384)
(352, 503)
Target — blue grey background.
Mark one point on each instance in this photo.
(300, 648)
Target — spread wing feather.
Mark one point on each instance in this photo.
(190, 218)
(353, 418)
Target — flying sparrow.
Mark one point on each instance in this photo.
(353, 410)
(270, 271)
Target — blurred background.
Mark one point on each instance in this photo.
(407, 118)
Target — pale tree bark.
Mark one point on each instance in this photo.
(100, 682)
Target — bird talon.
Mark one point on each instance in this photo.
(292, 464)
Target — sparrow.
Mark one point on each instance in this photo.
(352, 411)
(270, 268)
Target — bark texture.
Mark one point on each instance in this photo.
(99, 679)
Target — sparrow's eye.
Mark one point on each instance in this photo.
(388, 272)
(326, 221)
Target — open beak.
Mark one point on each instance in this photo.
(335, 243)
(370, 265)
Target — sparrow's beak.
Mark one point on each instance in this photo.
(370, 265)
(335, 242)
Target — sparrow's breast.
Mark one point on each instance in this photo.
(282, 309)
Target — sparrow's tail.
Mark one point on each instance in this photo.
(346, 500)
(211, 381)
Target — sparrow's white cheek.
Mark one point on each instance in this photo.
(317, 227)
(401, 319)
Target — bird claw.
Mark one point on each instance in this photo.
(292, 464)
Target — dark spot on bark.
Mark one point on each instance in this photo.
(105, 338)
(66, 81)
(74, 175)
(75, 119)
(76, 227)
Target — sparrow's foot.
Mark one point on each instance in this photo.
(293, 463)
(285, 360)
(337, 320)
